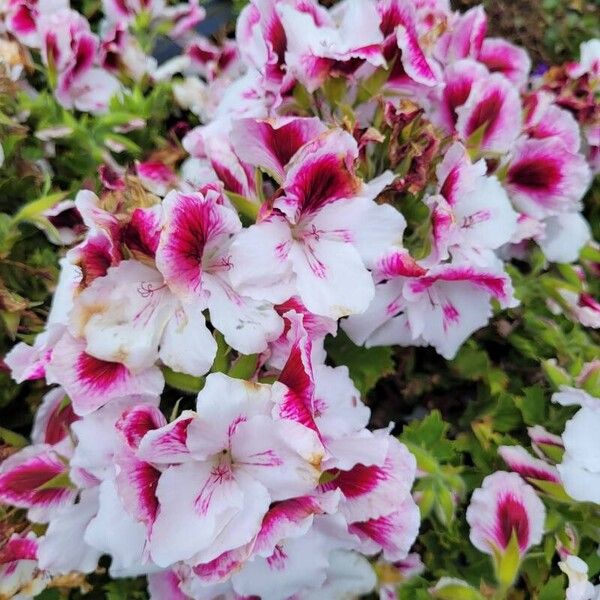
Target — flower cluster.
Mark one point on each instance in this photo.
(371, 169)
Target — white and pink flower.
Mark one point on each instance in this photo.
(503, 508)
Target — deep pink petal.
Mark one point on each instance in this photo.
(139, 420)
(20, 481)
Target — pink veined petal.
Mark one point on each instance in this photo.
(94, 257)
(221, 407)
(194, 225)
(271, 144)
(291, 517)
(91, 92)
(370, 492)
(496, 284)
(545, 179)
(556, 122)
(465, 37)
(493, 106)
(221, 568)
(24, 475)
(457, 175)
(521, 462)
(141, 235)
(91, 382)
(135, 422)
(398, 263)
(500, 56)
(21, 21)
(168, 443)
(157, 177)
(197, 501)
(235, 175)
(136, 483)
(321, 173)
(284, 456)
(53, 418)
(540, 436)
(331, 276)
(165, 586)
(19, 548)
(503, 505)
(297, 376)
(394, 533)
(459, 78)
(412, 56)
(29, 362)
(260, 258)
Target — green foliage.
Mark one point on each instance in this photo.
(366, 365)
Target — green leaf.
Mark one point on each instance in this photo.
(244, 367)
(507, 562)
(533, 406)
(555, 374)
(221, 362)
(590, 253)
(61, 481)
(33, 210)
(182, 381)
(591, 383)
(13, 439)
(366, 365)
(556, 490)
(553, 589)
(246, 207)
(554, 453)
(449, 588)
(430, 433)
(126, 589)
(471, 362)
(371, 86)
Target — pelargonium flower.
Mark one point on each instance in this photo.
(197, 259)
(315, 47)
(459, 78)
(505, 506)
(25, 478)
(441, 306)
(544, 178)
(464, 37)
(69, 48)
(493, 108)
(126, 10)
(471, 214)
(531, 469)
(544, 119)
(23, 16)
(224, 491)
(323, 232)
(401, 46)
(20, 575)
(500, 56)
